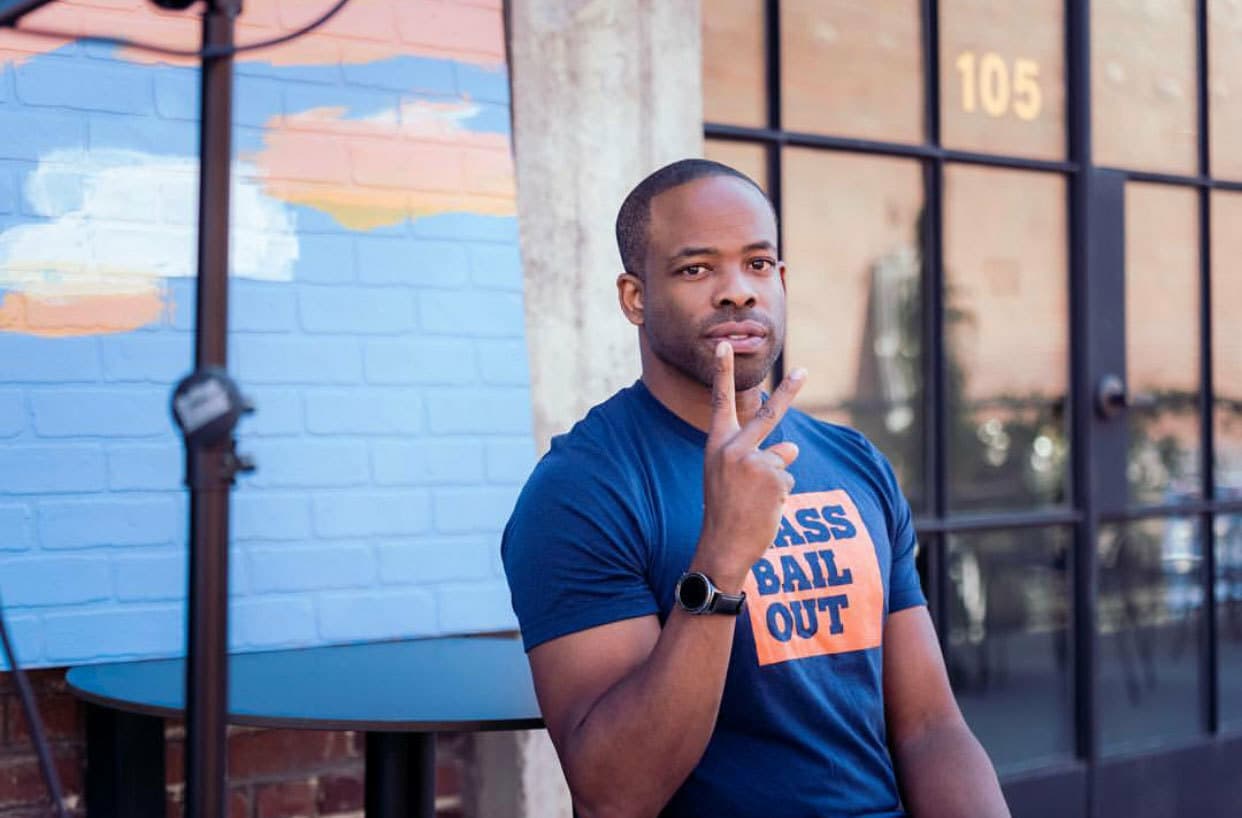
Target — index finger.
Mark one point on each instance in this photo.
(770, 414)
(724, 402)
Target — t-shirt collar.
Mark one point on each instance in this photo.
(675, 424)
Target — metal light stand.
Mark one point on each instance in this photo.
(207, 406)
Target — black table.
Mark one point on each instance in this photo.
(400, 693)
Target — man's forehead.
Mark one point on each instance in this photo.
(710, 205)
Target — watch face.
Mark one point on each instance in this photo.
(692, 593)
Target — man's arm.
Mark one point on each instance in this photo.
(630, 707)
(942, 769)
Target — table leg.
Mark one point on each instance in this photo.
(124, 764)
(401, 775)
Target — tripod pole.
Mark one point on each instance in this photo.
(210, 467)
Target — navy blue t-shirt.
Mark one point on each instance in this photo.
(610, 519)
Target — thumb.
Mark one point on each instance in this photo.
(785, 450)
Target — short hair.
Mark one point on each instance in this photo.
(634, 217)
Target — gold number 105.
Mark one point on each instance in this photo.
(987, 83)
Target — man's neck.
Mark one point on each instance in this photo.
(692, 401)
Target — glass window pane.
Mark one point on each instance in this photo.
(1225, 87)
(1002, 77)
(1162, 342)
(1143, 90)
(1227, 385)
(1148, 620)
(852, 68)
(1009, 652)
(1229, 618)
(734, 74)
(1227, 341)
(747, 157)
(852, 244)
(1007, 335)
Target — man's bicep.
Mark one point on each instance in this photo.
(574, 671)
(917, 694)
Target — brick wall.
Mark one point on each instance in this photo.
(376, 320)
(272, 773)
(22, 791)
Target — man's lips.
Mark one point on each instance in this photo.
(743, 336)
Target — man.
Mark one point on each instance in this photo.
(665, 690)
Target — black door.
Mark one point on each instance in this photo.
(1162, 473)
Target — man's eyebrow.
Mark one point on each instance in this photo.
(688, 252)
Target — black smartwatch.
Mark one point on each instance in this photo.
(697, 594)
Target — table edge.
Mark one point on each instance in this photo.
(367, 725)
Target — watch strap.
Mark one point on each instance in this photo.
(723, 603)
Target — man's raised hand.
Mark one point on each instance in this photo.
(744, 487)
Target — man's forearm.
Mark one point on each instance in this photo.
(945, 773)
(641, 739)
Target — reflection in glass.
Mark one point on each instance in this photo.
(1229, 618)
(1007, 335)
(1148, 621)
(1002, 77)
(852, 245)
(747, 157)
(1162, 342)
(1009, 653)
(1225, 87)
(734, 76)
(1143, 89)
(852, 68)
(1227, 341)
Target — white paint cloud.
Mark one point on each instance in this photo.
(118, 221)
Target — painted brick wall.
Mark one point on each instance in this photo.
(376, 321)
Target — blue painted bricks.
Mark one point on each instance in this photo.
(386, 357)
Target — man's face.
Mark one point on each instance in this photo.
(712, 274)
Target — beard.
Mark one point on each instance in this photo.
(682, 345)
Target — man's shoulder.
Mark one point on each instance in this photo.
(579, 501)
(605, 428)
(593, 451)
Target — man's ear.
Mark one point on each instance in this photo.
(630, 295)
(780, 265)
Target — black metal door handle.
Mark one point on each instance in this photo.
(1112, 396)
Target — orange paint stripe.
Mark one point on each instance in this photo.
(84, 315)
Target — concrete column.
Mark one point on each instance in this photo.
(604, 92)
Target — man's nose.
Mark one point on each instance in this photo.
(735, 289)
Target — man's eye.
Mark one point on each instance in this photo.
(760, 265)
(694, 270)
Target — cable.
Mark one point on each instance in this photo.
(37, 735)
(203, 53)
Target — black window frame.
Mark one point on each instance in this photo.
(1092, 193)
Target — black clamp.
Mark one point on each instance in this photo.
(206, 406)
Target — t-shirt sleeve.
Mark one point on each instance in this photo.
(574, 553)
(904, 588)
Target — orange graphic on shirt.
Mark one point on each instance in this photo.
(817, 589)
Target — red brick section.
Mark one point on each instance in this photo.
(272, 773)
(23, 793)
